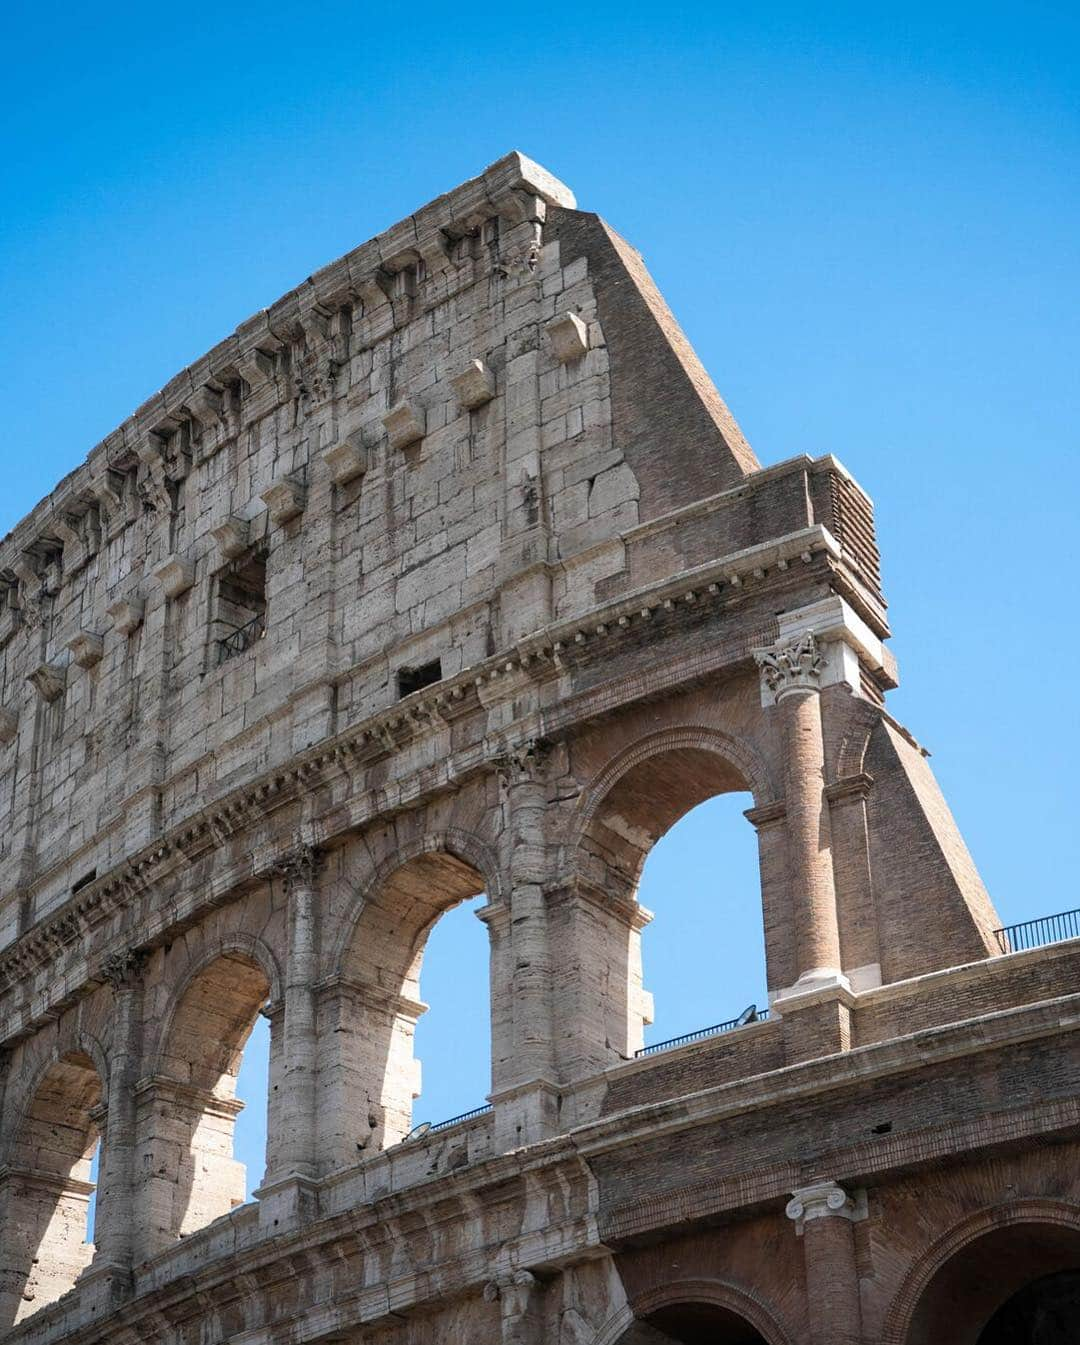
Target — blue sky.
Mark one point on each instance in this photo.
(866, 218)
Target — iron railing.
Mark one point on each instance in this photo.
(752, 1015)
(1037, 933)
(465, 1116)
(242, 638)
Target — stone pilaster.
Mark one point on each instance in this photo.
(115, 1221)
(519, 1297)
(525, 1093)
(824, 1214)
(297, 1107)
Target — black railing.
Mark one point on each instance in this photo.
(1037, 933)
(748, 1016)
(465, 1116)
(242, 638)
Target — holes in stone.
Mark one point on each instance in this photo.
(885, 1128)
(415, 679)
(84, 881)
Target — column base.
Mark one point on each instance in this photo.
(816, 1018)
(285, 1203)
(103, 1286)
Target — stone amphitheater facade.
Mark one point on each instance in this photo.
(450, 573)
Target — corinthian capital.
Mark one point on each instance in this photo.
(299, 866)
(795, 666)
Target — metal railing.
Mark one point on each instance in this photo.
(242, 638)
(748, 1016)
(1037, 933)
(465, 1116)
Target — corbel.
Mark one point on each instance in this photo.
(346, 462)
(405, 424)
(126, 615)
(375, 289)
(256, 368)
(568, 337)
(206, 405)
(232, 537)
(86, 648)
(285, 499)
(48, 680)
(474, 385)
(176, 575)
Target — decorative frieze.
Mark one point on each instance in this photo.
(405, 424)
(86, 648)
(48, 680)
(285, 499)
(176, 575)
(126, 615)
(568, 337)
(474, 385)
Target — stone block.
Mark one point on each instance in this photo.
(9, 726)
(567, 336)
(48, 680)
(231, 537)
(176, 575)
(284, 499)
(86, 648)
(346, 462)
(126, 615)
(405, 424)
(474, 385)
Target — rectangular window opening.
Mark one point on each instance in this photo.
(240, 606)
(415, 679)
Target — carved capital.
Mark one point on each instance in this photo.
(525, 763)
(825, 1200)
(298, 867)
(123, 969)
(795, 666)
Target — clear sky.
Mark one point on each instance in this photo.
(865, 216)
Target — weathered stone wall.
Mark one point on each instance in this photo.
(450, 574)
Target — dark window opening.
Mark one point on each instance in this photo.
(240, 608)
(84, 881)
(414, 679)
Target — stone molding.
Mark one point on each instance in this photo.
(568, 337)
(346, 461)
(285, 500)
(86, 648)
(175, 574)
(474, 385)
(405, 424)
(126, 615)
(49, 681)
(232, 537)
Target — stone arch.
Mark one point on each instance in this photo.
(186, 1108)
(739, 1302)
(238, 942)
(46, 1188)
(901, 1325)
(467, 846)
(369, 1005)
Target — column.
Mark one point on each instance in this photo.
(297, 1110)
(115, 1215)
(824, 1215)
(525, 1095)
(791, 676)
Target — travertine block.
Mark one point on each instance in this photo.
(568, 337)
(175, 575)
(9, 726)
(231, 536)
(126, 615)
(346, 462)
(474, 385)
(256, 368)
(86, 648)
(48, 680)
(285, 500)
(405, 424)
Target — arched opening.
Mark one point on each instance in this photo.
(668, 832)
(1015, 1285)
(187, 1114)
(693, 1324)
(371, 1074)
(703, 952)
(47, 1189)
